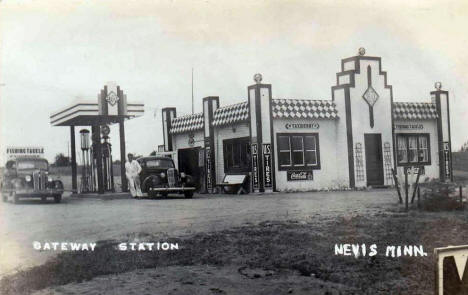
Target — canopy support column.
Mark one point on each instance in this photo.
(122, 155)
(97, 150)
(73, 158)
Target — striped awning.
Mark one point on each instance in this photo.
(281, 108)
(295, 109)
(236, 113)
(231, 114)
(187, 123)
(414, 110)
(304, 109)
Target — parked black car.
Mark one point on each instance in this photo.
(160, 177)
(28, 177)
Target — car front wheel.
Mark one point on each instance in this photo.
(152, 194)
(57, 198)
(15, 198)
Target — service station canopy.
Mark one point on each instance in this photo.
(111, 107)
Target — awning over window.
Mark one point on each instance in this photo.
(414, 110)
(187, 123)
(304, 109)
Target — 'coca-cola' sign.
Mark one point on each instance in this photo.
(300, 175)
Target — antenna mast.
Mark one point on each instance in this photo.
(192, 92)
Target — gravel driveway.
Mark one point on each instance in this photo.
(89, 220)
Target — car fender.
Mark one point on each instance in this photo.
(149, 181)
(188, 180)
(58, 184)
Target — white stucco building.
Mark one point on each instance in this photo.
(354, 139)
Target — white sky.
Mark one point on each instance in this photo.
(52, 52)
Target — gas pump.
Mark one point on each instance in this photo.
(108, 172)
(86, 176)
(101, 165)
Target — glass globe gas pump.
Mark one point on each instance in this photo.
(108, 173)
(102, 175)
(86, 176)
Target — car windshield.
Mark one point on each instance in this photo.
(32, 164)
(159, 163)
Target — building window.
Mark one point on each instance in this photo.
(284, 151)
(413, 149)
(298, 151)
(297, 143)
(236, 155)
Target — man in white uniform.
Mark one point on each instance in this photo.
(132, 171)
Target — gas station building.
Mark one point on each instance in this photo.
(355, 139)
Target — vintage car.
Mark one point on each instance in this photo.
(160, 177)
(28, 177)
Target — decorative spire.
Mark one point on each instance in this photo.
(258, 78)
(362, 51)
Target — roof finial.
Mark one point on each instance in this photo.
(438, 85)
(362, 51)
(258, 78)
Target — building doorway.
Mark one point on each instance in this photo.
(189, 163)
(374, 159)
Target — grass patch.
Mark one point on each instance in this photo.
(307, 248)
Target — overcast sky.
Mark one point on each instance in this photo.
(54, 52)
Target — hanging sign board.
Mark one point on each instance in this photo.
(267, 167)
(414, 170)
(255, 165)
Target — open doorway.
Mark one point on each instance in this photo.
(189, 164)
(374, 159)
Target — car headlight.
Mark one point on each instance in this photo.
(162, 175)
(182, 174)
(28, 178)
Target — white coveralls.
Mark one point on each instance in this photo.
(132, 171)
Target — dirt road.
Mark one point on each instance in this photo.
(88, 220)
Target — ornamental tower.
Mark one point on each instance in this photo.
(261, 136)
